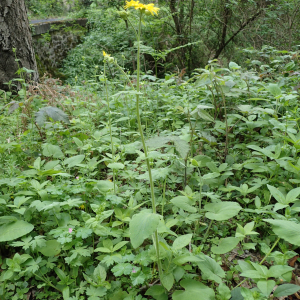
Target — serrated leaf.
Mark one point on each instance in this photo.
(141, 226)
(158, 141)
(54, 113)
(52, 150)
(182, 147)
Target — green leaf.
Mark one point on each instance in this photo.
(225, 245)
(119, 246)
(66, 293)
(287, 230)
(182, 147)
(234, 66)
(193, 290)
(292, 195)
(157, 292)
(277, 194)
(141, 226)
(224, 291)
(274, 89)
(167, 280)
(182, 241)
(205, 116)
(116, 166)
(74, 160)
(99, 274)
(158, 141)
(12, 231)
(122, 269)
(96, 292)
(51, 248)
(104, 185)
(52, 150)
(53, 112)
(183, 202)
(222, 211)
(286, 290)
(210, 269)
(266, 286)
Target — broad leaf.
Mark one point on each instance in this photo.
(277, 194)
(184, 202)
(225, 245)
(266, 286)
(193, 290)
(210, 269)
(141, 226)
(51, 248)
(182, 241)
(222, 211)
(286, 290)
(287, 230)
(167, 280)
(74, 160)
(157, 292)
(54, 113)
(12, 231)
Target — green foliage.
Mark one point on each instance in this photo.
(80, 215)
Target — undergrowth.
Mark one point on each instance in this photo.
(81, 219)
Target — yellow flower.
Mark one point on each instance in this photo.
(146, 7)
(82, 206)
(108, 57)
(131, 4)
(150, 7)
(105, 54)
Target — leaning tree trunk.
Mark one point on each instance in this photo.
(15, 36)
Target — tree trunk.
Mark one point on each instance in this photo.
(15, 36)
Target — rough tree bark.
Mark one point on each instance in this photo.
(15, 33)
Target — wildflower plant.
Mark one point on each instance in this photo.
(153, 219)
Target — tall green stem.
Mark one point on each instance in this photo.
(144, 144)
(110, 130)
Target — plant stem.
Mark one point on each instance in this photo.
(109, 125)
(207, 231)
(144, 144)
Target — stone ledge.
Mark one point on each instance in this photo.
(45, 26)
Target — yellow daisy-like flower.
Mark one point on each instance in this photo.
(150, 7)
(131, 4)
(105, 54)
(82, 206)
(146, 7)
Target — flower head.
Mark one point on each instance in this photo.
(108, 57)
(70, 230)
(143, 7)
